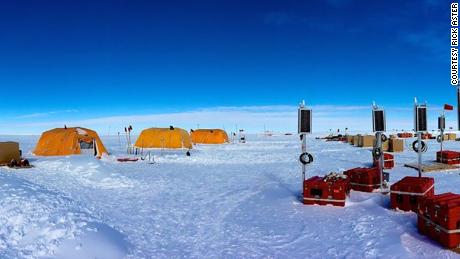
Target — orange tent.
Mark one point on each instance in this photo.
(209, 136)
(69, 141)
(164, 138)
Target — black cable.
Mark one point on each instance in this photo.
(423, 146)
(377, 153)
(384, 138)
(439, 138)
(303, 158)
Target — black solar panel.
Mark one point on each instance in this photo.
(305, 120)
(378, 117)
(441, 123)
(420, 119)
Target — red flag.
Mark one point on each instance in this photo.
(448, 107)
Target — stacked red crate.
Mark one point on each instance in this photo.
(407, 193)
(331, 189)
(364, 179)
(388, 161)
(439, 218)
(448, 157)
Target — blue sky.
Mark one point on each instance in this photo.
(243, 62)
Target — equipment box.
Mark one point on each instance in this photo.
(9, 151)
(366, 141)
(350, 139)
(451, 136)
(397, 145)
(326, 190)
(407, 193)
(439, 219)
(388, 163)
(364, 179)
(355, 141)
(448, 157)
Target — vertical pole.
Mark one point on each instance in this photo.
(119, 141)
(304, 149)
(442, 131)
(442, 140)
(419, 152)
(142, 149)
(381, 161)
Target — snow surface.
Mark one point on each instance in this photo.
(227, 201)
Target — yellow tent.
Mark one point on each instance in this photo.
(164, 138)
(69, 141)
(209, 136)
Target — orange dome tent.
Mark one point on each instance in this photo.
(69, 141)
(164, 138)
(209, 136)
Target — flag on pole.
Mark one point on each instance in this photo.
(448, 107)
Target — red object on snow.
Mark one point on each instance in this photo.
(407, 193)
(448, 107)
(405, 135)
(364, 179)
(448, 157)
(326, 191)
(439, 219)
(427, 136)
(388, 161)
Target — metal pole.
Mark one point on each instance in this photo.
(442, 131)
(419, 152)
(304, 150)
(119, 141)
(442, 140)
(381, 158)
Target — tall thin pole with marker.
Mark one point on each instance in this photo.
(420, 126)
(379, 127)
(305, 127)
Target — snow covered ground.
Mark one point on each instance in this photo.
(228, 201)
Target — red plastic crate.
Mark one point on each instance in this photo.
(405, 135)
(407, 193)
(364, 179)
(448, 157)
(326, 190)
(388, 161)
(427, 136)
(424, 210)
(431, 205)
(439, 218)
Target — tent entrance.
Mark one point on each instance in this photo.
(88, 147)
